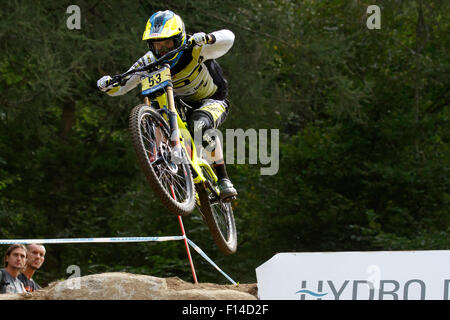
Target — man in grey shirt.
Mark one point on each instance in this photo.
(15, 259)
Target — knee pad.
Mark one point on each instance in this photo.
(199, 124)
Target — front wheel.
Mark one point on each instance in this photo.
(171, 180)
(218, 215)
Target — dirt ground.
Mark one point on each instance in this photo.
(176, 283)
(127, 286)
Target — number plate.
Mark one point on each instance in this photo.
(156, 81)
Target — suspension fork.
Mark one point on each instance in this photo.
(173, 121)
(172, 114)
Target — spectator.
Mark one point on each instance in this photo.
(35, 259)
(15, 259)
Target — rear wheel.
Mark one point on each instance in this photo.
(218, 215)
(170, 180)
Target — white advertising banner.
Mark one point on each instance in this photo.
(377, 275)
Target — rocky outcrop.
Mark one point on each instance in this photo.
(127, 286)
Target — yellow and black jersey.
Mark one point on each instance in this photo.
(197, 75)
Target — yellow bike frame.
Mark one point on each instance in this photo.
(167, 101)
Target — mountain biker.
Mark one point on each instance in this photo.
(197, 79)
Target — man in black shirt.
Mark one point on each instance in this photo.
(36, 257)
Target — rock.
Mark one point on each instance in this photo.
(11, 296)
(127, 286)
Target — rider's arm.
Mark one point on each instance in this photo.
(222, 42)
(133, 80)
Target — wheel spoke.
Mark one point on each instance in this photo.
(150, 135)
(169, 179)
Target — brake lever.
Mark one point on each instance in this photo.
(115, 79)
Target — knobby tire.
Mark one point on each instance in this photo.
(158, 176)
(220, 220)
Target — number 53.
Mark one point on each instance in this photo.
(155, 80)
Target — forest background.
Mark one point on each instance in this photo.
(363, 116)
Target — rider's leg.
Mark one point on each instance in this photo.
(202, 121)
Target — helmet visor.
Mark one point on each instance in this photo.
(160, 48)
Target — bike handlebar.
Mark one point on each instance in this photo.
(119, 77)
